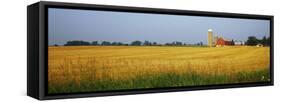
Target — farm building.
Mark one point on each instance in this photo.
(222, 42)
(259, 45)
(217, 41)
(239, 43)
(210, 38)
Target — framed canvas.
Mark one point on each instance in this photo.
(81, 50)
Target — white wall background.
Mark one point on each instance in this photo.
(13, 51)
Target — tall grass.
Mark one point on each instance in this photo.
(83, 69)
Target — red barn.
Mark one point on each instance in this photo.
(221, 42)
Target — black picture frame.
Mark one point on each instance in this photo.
(37, 51)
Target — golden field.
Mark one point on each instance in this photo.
(104, 68)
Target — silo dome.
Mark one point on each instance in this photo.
(210, 30)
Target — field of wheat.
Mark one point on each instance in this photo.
(105, 68)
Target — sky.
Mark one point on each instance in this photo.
(91, 25)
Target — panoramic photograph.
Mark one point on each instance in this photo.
(97, 51)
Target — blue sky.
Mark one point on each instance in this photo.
(89, 25)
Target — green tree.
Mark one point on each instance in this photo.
(95, 43)
(105, 43)
(136, 43)
(147, 43)
(76, 43)
(252, 41)
(268, 41)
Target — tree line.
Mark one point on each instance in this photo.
(252, 41)
(133, 43)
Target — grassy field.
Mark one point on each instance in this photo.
(104, 68)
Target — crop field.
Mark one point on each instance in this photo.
(106, 68)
